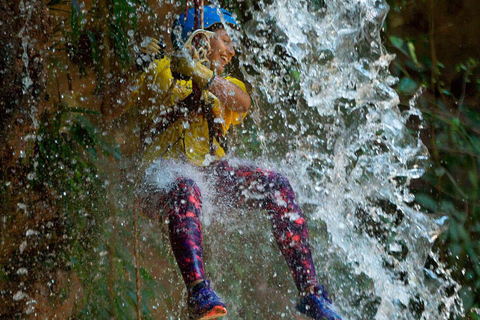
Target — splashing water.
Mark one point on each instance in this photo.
(327, 116)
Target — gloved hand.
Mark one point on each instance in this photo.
(200, 74)
(148, 52)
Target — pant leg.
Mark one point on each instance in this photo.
(182, 206)
(265, 189)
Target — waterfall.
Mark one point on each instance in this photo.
(326, 114)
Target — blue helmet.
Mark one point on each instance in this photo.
(210, 17)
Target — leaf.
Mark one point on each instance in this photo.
(468, 297)
(77, 7)
(463, 233)
(94, 44)
(448, 207)
(295, 75)
(427, 202)
(83, 111)
(455, 122)
(473, 176)
(397, 42)
(74, 24)
(407, 85)
(473, 62)
(456, 249)
(474, 143)
(88, 126)
(133, 296)
(145, 274)
(439, 172)
(411, 50)
(459, 67)
(446, 92)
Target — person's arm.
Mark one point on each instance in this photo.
(117, 97)
(230, 95)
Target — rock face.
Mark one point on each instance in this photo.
(25, 30)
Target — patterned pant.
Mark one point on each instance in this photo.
(250, 187)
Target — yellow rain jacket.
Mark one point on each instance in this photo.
(155, 95)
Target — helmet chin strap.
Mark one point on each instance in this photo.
(197, 14)
(199, 5)
(201, 14)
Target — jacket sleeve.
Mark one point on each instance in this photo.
(235, 117)
(155, 91)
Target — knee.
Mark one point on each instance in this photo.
(185, 198)
(186, 184)
(282, 196)
(281, 183)
(185, 187)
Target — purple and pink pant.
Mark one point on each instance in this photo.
(248, 186)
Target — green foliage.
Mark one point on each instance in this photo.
(72, 161)
(110, 280)
(64, 163)
(124, 21)
(452, 183)
(102, 33)
(76, 162)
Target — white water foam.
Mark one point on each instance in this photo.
(342, 139)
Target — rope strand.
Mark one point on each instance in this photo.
(137, 261)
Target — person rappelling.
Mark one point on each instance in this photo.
(188, 105)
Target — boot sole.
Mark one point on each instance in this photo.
(216, 312)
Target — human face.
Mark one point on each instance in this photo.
(221, 52)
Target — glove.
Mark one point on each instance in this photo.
(149, 52)
(200, 74)
(154, 47)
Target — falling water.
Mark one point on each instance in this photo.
(327, 116)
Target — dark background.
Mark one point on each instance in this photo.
(437, 45)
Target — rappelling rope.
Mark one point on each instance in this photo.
(137, 260)
(199, 23)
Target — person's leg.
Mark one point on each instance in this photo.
(182, 206)
(271, 191)
(185, 231)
